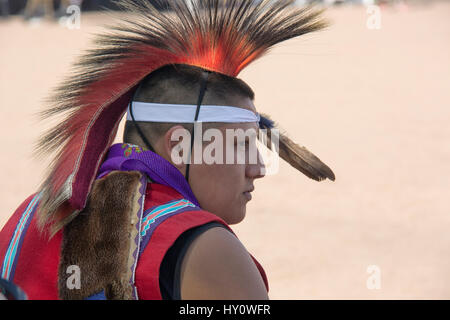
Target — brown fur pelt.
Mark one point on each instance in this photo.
(98, 239)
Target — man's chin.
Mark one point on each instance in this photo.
(237, 217)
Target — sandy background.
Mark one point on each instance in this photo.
(373, 104)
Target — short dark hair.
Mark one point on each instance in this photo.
(180, 84)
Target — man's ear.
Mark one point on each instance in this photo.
(176, 144)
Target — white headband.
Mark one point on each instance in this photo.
(183, 113)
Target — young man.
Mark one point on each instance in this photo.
(132, 221)
(220, 188)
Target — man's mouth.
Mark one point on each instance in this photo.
(248, 194)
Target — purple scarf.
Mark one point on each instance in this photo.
(127, 157)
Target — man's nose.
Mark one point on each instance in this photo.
(256, 170)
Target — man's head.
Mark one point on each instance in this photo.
(224, 39)
(221, 188)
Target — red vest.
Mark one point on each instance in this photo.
(31, 260)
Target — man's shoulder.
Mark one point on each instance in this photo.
(218, 266)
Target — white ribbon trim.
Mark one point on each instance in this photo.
(183, 113)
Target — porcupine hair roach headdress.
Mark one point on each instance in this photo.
(219, 36)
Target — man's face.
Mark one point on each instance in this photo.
(225, 188)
